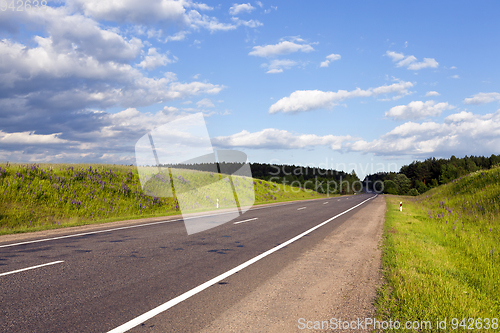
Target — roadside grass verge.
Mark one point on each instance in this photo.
(441, 256)
(37, 197)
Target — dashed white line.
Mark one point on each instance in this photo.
(324, 203)
(255, 218)
(32, 267)
(301, 208)
(165, 306)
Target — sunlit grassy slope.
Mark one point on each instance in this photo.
(441, 255)
(35, 197)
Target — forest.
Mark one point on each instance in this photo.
(420, 176)
(317, 179)
(413, 179)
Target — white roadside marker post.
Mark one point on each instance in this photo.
(401, 206)
(217, 203)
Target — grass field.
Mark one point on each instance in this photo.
(38, 197)
(441, 256)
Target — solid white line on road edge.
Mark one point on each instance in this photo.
(301, 208)
(165, 306)
(33, 267)
(132, 226)
(255, 218)
(324, 203)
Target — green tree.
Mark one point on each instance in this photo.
(413, 192)
(390, 187)
(403, 183)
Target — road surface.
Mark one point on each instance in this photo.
(104, 281)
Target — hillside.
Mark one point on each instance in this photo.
(441, 254)
(36, 197)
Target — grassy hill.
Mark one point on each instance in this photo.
(36, 197)
(441, 255)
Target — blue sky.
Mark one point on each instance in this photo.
(360, 85)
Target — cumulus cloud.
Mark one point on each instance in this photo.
(104, 138)
(249, 23)
(181, 13)
(432, 93)
(483, 98)
(307, 100)
(50, 89)
(271, 138)
(205, 103)
(277, 65)
(178, 36)
(330, 58)
(417, 110)
(410, 62)
(283, 47)
(155, 59)
(30, 138)
(241, 8)
(461, 133)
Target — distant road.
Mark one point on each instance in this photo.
(99, 282)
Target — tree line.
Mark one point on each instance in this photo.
(420, 176)
(325, 181)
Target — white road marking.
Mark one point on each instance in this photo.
(301, 208)
(165, 306)
(324, 203)
(255, 218)
(32, 267)
(338, 200)
(132, 226)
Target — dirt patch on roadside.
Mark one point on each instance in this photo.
(338, 279)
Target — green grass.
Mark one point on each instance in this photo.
(441, 254)
(39, 197)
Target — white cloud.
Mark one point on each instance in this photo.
(284, 47)
(30, 138)
(241, 8)
(307, 100)
(134, 11)
(278, 65)
(205, 103)
(395, 56)
(178, 36)
(259, 4)
(462, 133)
(456, 76)
(271, 138)
(161, 12)
(432, 93)
(170, 109)
(330, 58)
(49, 89)
(427, 63)
(410, 62)
(418, 110)
(483, 98)
(154, 59)
(249, 23)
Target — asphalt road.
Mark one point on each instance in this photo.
(98, 282)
